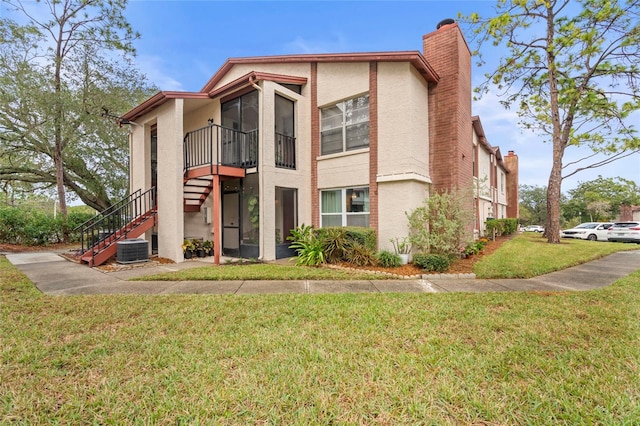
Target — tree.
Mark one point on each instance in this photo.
(572, 70)
(533, 204)
(602, 197)
(57, 73)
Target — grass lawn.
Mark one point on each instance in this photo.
(460, 358)
(528, 255)
(261, 271)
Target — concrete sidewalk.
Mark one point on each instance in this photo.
(54, 275)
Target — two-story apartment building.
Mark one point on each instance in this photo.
(495, 179)
(273, 142)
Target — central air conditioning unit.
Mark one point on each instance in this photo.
(132, 251)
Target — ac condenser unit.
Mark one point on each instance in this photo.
(133, 251)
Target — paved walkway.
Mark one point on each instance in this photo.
(55, 275)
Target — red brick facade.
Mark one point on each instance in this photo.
(513, 196)
(450, 141)
(315, 146)
(373, 145)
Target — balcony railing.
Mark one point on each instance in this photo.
(217, 145)
(285, 151)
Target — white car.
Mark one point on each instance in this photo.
(593, 231)
(625, 232)
(534, 228)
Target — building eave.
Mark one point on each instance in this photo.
(414, 57)
(253, 76)
(159, 99)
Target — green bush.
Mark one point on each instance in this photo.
(501, 227)
(308, 246)
(335, 241)
(432, 262)
(386, 259)
(365, 236)
(360, 255)
(440, 225)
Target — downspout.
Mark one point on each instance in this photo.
(252, 81)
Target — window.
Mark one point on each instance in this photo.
(285, 142)
(345, 207)
(240, 115)
(345, 125)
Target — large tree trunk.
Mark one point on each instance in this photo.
(552, 228)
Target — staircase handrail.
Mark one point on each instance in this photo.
(108, 210)
(100, 234)
(231, 147)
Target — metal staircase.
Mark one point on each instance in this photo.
(129, 218)
(214, 150)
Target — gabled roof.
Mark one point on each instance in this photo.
(253, 76)
(477, 127)
(209, 90)
(159, 99)
(415, 57)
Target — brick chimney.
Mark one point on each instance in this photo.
(513, 196)
(450, 130)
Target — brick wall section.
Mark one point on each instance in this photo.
(315, 146)
(513, 196)
(373, 145)
(451, 143)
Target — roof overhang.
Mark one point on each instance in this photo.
(477, 127)
(251, 78)
(414, 57)
(158, 99)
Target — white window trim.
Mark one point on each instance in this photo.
(344, 126)
(343, 214)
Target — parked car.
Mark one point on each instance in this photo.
(625, 232)
(593, 231)
(534, 228)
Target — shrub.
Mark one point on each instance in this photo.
(440, 225)
(308, 245)
(361, 255)
(432, 262)
(501, 226)
(336, 243)
(386, 259)
(365, 236)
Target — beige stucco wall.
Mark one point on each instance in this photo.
(272, 176)
(139, 149)
(238, 70)
(170, 172)
(345, 169)
(398, 197)
(403, 124)
(339, 81)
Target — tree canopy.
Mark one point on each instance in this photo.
(60, 67)
(571, 68)
(601, 198)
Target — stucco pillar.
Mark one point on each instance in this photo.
(170, 184)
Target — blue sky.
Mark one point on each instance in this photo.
(185, 42)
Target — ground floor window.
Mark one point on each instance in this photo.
(345, 207)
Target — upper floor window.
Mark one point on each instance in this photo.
(285, 142)
(345, 125)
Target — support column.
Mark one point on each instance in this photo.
(217, 242)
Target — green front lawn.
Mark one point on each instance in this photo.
(529, 255)
(460, 358)
(261, 271)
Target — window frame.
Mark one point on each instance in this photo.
(345, 107)
(343, 214)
